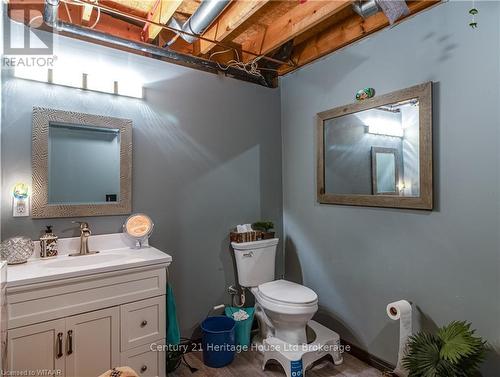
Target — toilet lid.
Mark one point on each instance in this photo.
(288, 292)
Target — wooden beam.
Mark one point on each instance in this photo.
(232, 18)
(119, 28)
(129, 7)
(344, 33)
(162, 12)
(296, 21)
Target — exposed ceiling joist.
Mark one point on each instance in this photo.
(161, 12)
(293, 23)
(283, 34)
(232, 18)
(136, 7)
(344, 33)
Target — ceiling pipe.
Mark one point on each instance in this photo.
(51, 19)
(366, 8)
(393, 9)
(50, 12)
(199, 21)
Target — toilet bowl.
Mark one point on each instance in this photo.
(288, 306)
(283, 308)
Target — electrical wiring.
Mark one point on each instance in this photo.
(251, 67)
(97, 19)
(33, 19)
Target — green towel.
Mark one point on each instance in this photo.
(173, 334)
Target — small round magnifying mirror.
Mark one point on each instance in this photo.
(139, 227)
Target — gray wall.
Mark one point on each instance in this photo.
(207, 156)
(359, 259)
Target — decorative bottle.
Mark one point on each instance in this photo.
(48, 244)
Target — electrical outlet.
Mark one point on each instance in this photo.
(21, 207)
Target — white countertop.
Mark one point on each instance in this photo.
(115, 254)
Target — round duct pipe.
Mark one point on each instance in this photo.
(50, 12)
(200, 20)
(366, 8)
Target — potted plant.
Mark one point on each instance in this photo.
(453, 351)
(265, 228)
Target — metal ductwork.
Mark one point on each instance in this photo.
(51, 19)
(393, 9)
(366, 8)
(50, 12)
(199, 21)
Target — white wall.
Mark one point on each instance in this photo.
(359, 259)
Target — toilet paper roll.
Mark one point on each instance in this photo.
(401, 311)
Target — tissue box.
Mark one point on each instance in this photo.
(255, 235)
(243, 237)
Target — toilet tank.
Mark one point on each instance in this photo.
(255, 261)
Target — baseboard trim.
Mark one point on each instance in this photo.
(368, 358)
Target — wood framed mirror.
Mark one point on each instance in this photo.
(81, 164)
(378, 152)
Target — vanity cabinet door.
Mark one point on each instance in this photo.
(37, 349)
(92, 343)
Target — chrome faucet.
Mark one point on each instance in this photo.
(84, 239)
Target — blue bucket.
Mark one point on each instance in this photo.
(218, 341)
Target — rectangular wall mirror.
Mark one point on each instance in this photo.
(378, 152)
(82, 164)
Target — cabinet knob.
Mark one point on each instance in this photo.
(144, 323)
(144, 368)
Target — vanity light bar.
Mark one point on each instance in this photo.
(385, 130)
(81, 81)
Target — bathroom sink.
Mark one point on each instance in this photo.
(83, 260)
(116, 253)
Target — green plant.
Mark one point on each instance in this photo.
(264, 226)
(453, 351)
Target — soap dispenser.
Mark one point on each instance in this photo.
(48, 244)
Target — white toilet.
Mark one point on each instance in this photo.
(283, 308)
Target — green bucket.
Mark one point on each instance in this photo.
(243, 328)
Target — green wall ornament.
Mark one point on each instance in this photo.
(473, 12)
(365, 94)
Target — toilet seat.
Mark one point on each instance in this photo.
(285, 297)
(287, 292)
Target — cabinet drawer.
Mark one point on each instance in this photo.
(144, 361)
(66, 297)
(142, 322)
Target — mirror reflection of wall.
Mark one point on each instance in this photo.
(348, 144)
(386, 167)
(84, 164)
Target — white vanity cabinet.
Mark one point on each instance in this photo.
(85, 325)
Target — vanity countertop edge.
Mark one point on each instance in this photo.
(116, 254)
